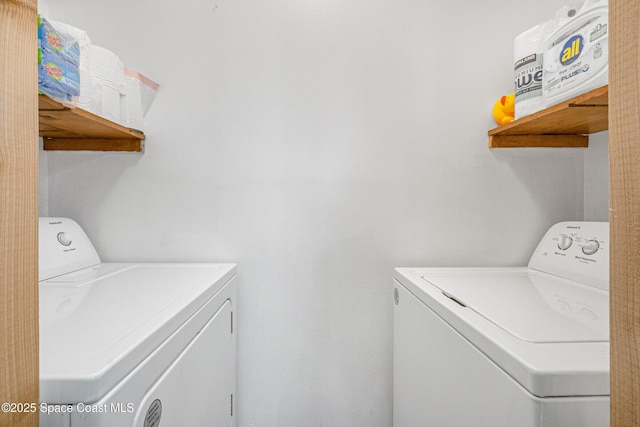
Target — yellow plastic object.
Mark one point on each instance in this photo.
(503, 109)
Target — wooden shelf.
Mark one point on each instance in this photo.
(567, 124)
(64, 128)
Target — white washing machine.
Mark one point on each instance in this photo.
(505, 347)
(126, 344)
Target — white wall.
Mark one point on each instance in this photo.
(319, 145)
(596, 178)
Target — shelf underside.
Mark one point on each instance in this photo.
(64, 128)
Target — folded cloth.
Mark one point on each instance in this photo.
(107, 68)
(110, 98)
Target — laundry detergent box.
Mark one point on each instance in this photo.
(58, 63)
(528, 69)
(576, 54)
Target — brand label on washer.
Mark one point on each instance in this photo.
(152, 419)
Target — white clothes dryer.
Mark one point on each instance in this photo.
(504, 347)
(132, 344)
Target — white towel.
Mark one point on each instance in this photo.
(107, 69)
(110, 103)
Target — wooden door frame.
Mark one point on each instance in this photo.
(18, 212)
(624, 150)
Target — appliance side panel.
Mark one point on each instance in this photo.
(192, 375)
(439, 378)
(437, 372)
(576, 412)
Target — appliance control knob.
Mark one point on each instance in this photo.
(591, 247)
(64, 238)
(565, 242)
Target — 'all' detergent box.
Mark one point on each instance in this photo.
(576, 54)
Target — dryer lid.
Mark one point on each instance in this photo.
(532, 306)
(99, 323)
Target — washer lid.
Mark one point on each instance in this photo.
(531, 306)
(97, 324)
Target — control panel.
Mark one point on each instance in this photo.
(63, 247)
(575, 250)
